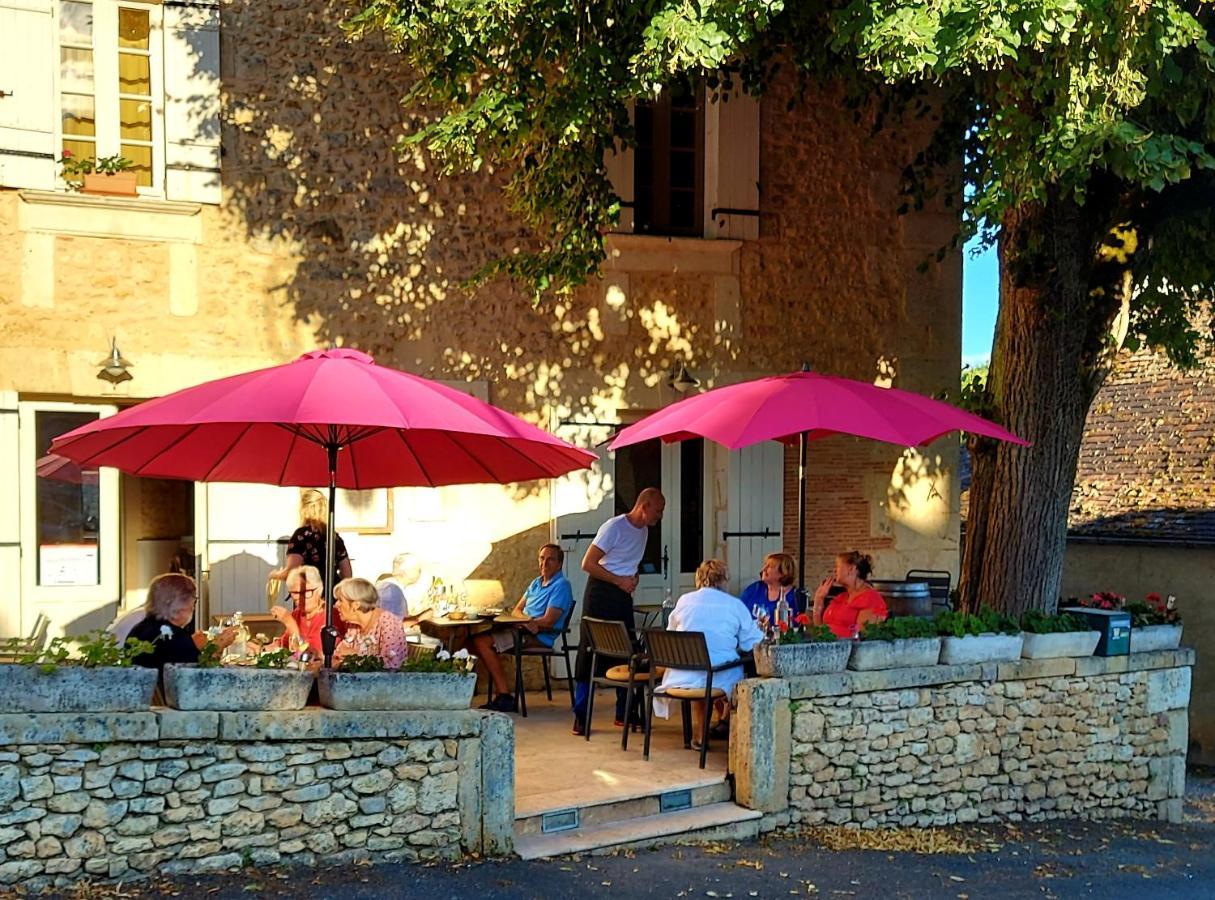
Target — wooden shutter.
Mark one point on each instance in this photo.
(620, 173)
(756, 503)
(27, 109)
(192, 169)
(732, 165)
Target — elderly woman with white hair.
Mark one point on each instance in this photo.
(167, 611)
(370, 631)
(728, 629)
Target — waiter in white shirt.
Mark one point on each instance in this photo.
(612, 562)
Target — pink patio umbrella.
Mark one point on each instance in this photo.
(331, 416)
(60, 468)
(806, 406)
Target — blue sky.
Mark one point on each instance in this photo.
(980, 294)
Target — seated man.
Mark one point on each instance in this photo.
(401, 591)
(546, 602)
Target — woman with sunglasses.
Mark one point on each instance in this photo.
(305, 621)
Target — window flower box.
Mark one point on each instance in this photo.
(979, 648)
(1145, 638)
(71, 688)
(117, 184)
(395, 690)
(1059, 644)
(236, 688)
(810, 658)
(896, 654)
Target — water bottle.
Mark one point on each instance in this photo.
(668, 604)
(782, 616)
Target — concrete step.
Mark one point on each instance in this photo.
(695, 795)
(714, 821)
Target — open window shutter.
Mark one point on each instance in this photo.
(192, 134)
(733, 196)
(620, 173)
(27, 108)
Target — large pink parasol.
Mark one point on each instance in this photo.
(330, 417)
(803, 407)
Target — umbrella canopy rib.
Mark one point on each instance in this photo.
(417, 461)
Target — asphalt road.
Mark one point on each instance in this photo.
(1138, 860)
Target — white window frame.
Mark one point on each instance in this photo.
(106, 96)
(65, 603)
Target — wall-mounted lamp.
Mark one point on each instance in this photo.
(114, 367)
(683, 380)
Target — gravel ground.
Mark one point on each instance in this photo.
(1060, 859)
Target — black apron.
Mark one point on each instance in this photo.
(602, 601)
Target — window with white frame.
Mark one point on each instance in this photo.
(110, 93)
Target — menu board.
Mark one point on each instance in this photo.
(67, 565)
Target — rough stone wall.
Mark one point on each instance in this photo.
(1093, 746)
(127, 808)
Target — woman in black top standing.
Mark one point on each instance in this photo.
(307, 544)
(167, 613)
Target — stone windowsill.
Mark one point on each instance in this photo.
(841, 683)
(655, 253)
(91, 215)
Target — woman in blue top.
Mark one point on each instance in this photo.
(776, 580)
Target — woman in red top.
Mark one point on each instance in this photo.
(305, 621)
(858, 605)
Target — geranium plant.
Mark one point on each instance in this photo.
(1035, 622)
(805, 632)
(1153, 610)
(985, 621)
(96, 649)
(1103, 600)
(76, 167)
(899, 629)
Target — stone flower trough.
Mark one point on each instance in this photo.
(236, 688)
(395, 690)
(1155, 637)
(26, 688)
(1059, 644)
(980, 648)
(812, 658)
(897, 654)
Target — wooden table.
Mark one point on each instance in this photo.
(449, 629)
(651, 613)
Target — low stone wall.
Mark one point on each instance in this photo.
(1035, 739)
(111, 796)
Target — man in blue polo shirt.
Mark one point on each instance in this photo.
(546, 603)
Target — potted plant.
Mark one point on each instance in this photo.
(804, 649)
(108, 175)
(442, 681)
(273, 681)
(896, 643)
(1155, 624)
(985, 636)
(1052, 637)
(93, 673)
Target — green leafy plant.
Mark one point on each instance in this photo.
(899, 629)
(358, 662)
(808, 634)
(274, 659)
(211, 656)
(97, 649)
(1152, 610)
(450, 666)
(985, 621)
(1035, 622)
(76, 167)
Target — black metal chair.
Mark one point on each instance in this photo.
(610, 639)
(683, 650)
(938, 580)
(523, 648)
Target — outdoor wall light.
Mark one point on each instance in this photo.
(683, 380)
(114, 367)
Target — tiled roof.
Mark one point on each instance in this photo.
(1147, 463)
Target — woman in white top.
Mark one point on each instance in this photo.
(727, 626)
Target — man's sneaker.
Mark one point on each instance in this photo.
(502, 703)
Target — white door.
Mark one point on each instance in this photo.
(246, 528)
(70, 538)
(755, 511)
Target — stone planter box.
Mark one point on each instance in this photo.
(785, 660)
(1060, 644)
(395, 690)
(236, 688)
(1155, 637)
(979, 648)
(76, 689)
(904, 653)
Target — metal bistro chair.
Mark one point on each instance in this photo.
(683, 650)
(32, 644)
(610, 639)
(938, 581)
(545, 654)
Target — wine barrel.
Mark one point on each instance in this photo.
(906, 598)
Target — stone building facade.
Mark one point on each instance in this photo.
(278, 216)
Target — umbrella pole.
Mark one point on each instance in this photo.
(801, 516)
(329, 633)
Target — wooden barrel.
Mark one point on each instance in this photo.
(906, 598)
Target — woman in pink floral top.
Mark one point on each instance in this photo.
(370, 631)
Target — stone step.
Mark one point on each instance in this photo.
(713, 822)
(695, 795)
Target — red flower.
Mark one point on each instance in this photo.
(67, 154)
(801, 619)
(784, 626)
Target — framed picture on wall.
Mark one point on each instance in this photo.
(364, 512)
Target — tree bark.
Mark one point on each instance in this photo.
(1051, 346)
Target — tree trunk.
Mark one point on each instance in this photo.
(1043, 377)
